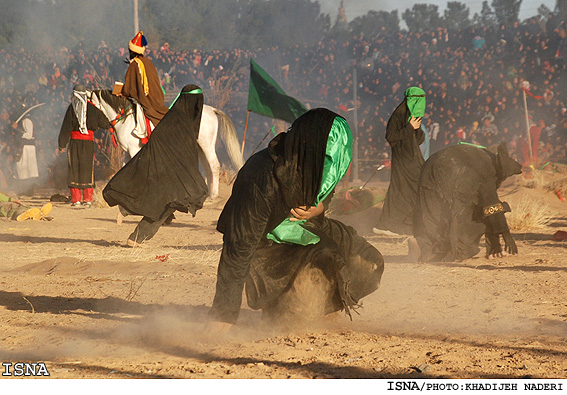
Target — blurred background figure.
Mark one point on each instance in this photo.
(25, 156)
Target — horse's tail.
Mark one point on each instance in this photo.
(230, 139)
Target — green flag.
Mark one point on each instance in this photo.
(265, 97)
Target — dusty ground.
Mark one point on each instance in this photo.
(72, 296)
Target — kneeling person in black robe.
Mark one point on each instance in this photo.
(458, 202)
(291, 258)
(164, 175)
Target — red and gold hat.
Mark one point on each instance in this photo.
(138, 43)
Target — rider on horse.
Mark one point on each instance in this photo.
(141, 84)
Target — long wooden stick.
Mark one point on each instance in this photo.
(260, 143)
(528, 128)
(244, 137)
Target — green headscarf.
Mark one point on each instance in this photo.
(415, 98)
(338, 155)
(196, 91)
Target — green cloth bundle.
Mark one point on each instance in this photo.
(338, 156)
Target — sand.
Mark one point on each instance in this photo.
(75, 298)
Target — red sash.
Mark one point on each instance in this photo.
(76, 135)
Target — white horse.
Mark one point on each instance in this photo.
(121, 112)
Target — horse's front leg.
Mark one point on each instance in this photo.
(211, 166)
(134, 144)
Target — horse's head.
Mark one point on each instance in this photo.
(111, 105)
(120, 112)
(93, 98)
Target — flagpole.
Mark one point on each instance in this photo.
(136, 21)
(253, 152)
(528, 126)
(260, 143)
(245, 128)
(355, 142)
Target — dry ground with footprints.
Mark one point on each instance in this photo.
(74, 297)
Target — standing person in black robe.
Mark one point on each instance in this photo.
(164, 175)
(404, 134)
(458, 202)
(77, 131)
(277, 242)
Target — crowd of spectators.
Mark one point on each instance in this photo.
(473, 79)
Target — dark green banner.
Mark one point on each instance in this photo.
(265, 97)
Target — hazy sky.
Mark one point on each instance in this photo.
(354, 8)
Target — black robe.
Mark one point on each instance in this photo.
(164, 174)
(397, 212)
(80, 173)
(286, 175)
(456, 185)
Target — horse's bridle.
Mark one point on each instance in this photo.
(119, 117)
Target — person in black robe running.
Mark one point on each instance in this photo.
(164, 175)
(404, 134)
(277, 243)
(458, 202)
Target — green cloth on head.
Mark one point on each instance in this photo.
(471, 144)
(192, 92)
(338, 156)
(415, 98)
